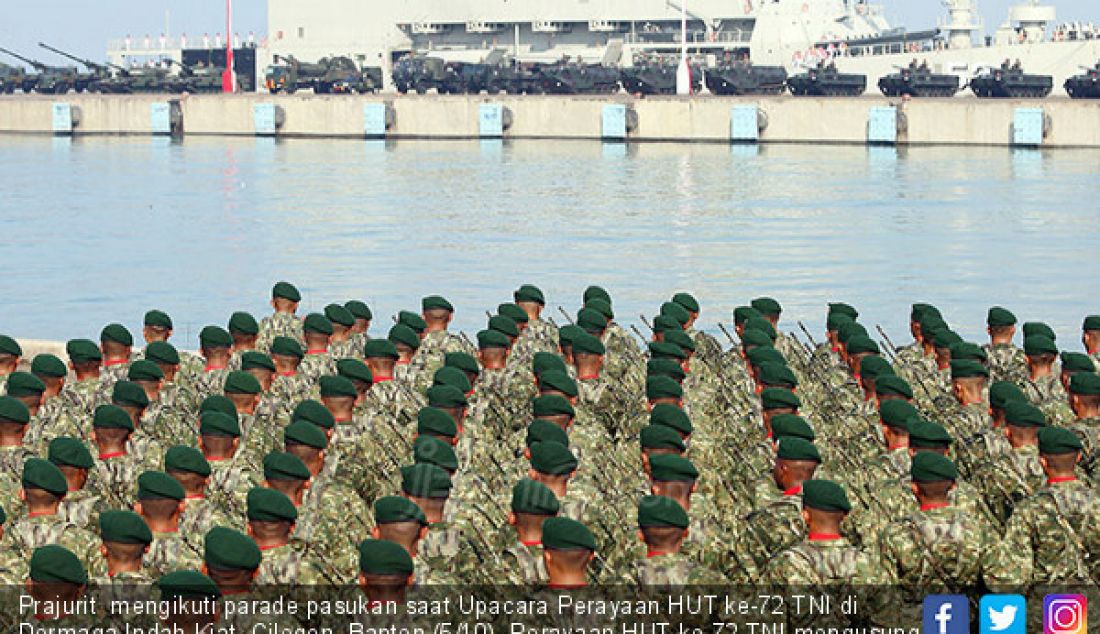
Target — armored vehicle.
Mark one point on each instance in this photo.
(198, 78)
(419, 74)
(11, 78)
(917, 80)
(657, 76)
(50, 80)
(745, 78)
(99, 77)
(328, 75)
(826, 81)
(516, 79)
(577, 78)
(1086, 85)
(1010, 81)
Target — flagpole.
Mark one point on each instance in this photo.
(229, 78)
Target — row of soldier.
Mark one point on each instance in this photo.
(942, 463)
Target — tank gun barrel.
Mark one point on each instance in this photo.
(87, 63)
(39, 66)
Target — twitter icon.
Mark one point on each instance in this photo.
(1003, 614)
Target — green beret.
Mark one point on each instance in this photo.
(687, 301)
(567, 333)
(337, 314)
(10, 346)
(764, 354)
(893, 385)
(849, 330)
(661, 437)
(847, 310)
(825, 495)
(227, 549)
(588, 344)
(1084, 384)
(252, 360)
(542, 430)
(1023, 414)
(393, 509)
(287, 347)
(534, 498)
(25, 384)
(129, 393)
(279, 465)
(48, 365)
(672, 468)
(546, 362)
(932, 320)
(665, 350)
(425, 481)
(316, 322)
(1077, 362)
(268, 505)
(159, 485)
(929, 466)
(354, 370)
(664, 323)
(595, 292)
(680, 338)
(301, 432)
(1058, 440)
(861, 345)
(741, 314)
(999, 317)
(561, 533)
(602, 307)
(402, 334)
(964, 350)
(466, 362)
(779, 398)
(920, 310)
(946, 339)
(241, 382)
(163, 353)
(359, 309)
(966, 369)
(314, 412)
(3, 516)
(927, 434)
(385, 558)
(430, 420)
(513, 312)
(243, 323)
(453, 377)
(430, 450)
(212, 423)
(658, 511)
(897, 413)
(1033, 328)
(835, 321)
(337, 386)
(380, 349)
(766, 306)
(666, 367)
(662, 387)
(1039, 344)
(43, 474)
(116, 333)
(124, 527)
(558, 381)
(776, 374)
(1001, 392)
(215, 337)
(668, 415)
(56, 564)
(446, 397)
(1092, 322)
(111, 417)
(504, 324)
(187, 584)
(784, 425)
(529, 293)
(763, 325)
(189, 459)
(492, 339)
(286, 290)
(65, 451)
(84, 351)
(158, 319)
(412, 320)
(218, 403)
(874, 366)
(144, 370)
(551, 405)
(13, 410)
(591, 320)
(436, 302)
(552, 458)
(795, 448)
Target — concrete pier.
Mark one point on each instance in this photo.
(1055, 122)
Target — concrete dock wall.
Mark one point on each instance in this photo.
(959, 121)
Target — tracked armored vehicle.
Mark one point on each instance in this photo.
(917, 80)
(1086, 85)
(49, 80)
(578, 78)
(657, 76)
(827, 81)
(1010, 82)
(746, 78)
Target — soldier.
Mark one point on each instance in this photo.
(1059, 413)
(706, 346)
(59, 578)
(1006, 361)
(231, 475)
(14, 418)
(231, 559)
(531, 299)
(116, 343)
(568, 548)
(989, 443)
(216, 347)
(126, 538)
(43, 489)
(142, 443)
(245, 331)
(52, 372)
(191, 591)
(429, 487)
(968, 382)
(82, 503)
(289, 384)
(341, 345)
(176, 400)
(776, 523)
(160, 504)
(85, 360)
(286, 561)
(401, 521)
(1042, 382)
(363, 317)
(188, 466)
(10, 355)
(27, 388)
(385, 572)
(407, 342)
(116, 465)
(1019, 474)
(244, 391)
(532, 504)
(437, 313)
(469, 365)
(506, 326)
(157, 327)
(1084, 399)
(1090, 337)
(283, 323)
(317, 331)
(663, 528)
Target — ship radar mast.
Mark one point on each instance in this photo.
(962, 22)
(1033, 19)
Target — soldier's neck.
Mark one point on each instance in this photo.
(115, 566)
(13, 439)
(1040, 370)
(168, 524)
(84, 375)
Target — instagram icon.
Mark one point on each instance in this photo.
(1065, 614)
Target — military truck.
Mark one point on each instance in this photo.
(917, 80)
(827, 81)
(329, 75)
(742, 77)
(50, 80)
(419, 74)
(1009, 81)
(11, 78)
(1086, 85)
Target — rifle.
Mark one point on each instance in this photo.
(568, 319)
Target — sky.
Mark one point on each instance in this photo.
(85, 26)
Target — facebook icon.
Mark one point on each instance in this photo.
(946, 614)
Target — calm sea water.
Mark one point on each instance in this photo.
(98, 230)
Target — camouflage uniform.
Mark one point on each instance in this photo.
(82, 507)
(673, 570)
(522, 564)
(1009, 480)
(940, 548)
(278, 325)
(114, 479)
(822, 563)
(28, 533)
(229, 483)
(1006, 362)
(317, 364)
(293, 564)
(173, 551)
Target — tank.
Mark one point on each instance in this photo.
(745, 78)
(577, 78)
(1010, 81)
(98, 76)
(49, 80)
(651, 75)
(199, 78)
(1086, 85)
(827, 81)
(917, 80)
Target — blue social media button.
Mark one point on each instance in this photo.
(1003, 614)
(946, 614)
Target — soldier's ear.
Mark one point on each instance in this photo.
(376, 533)
(641, 536)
